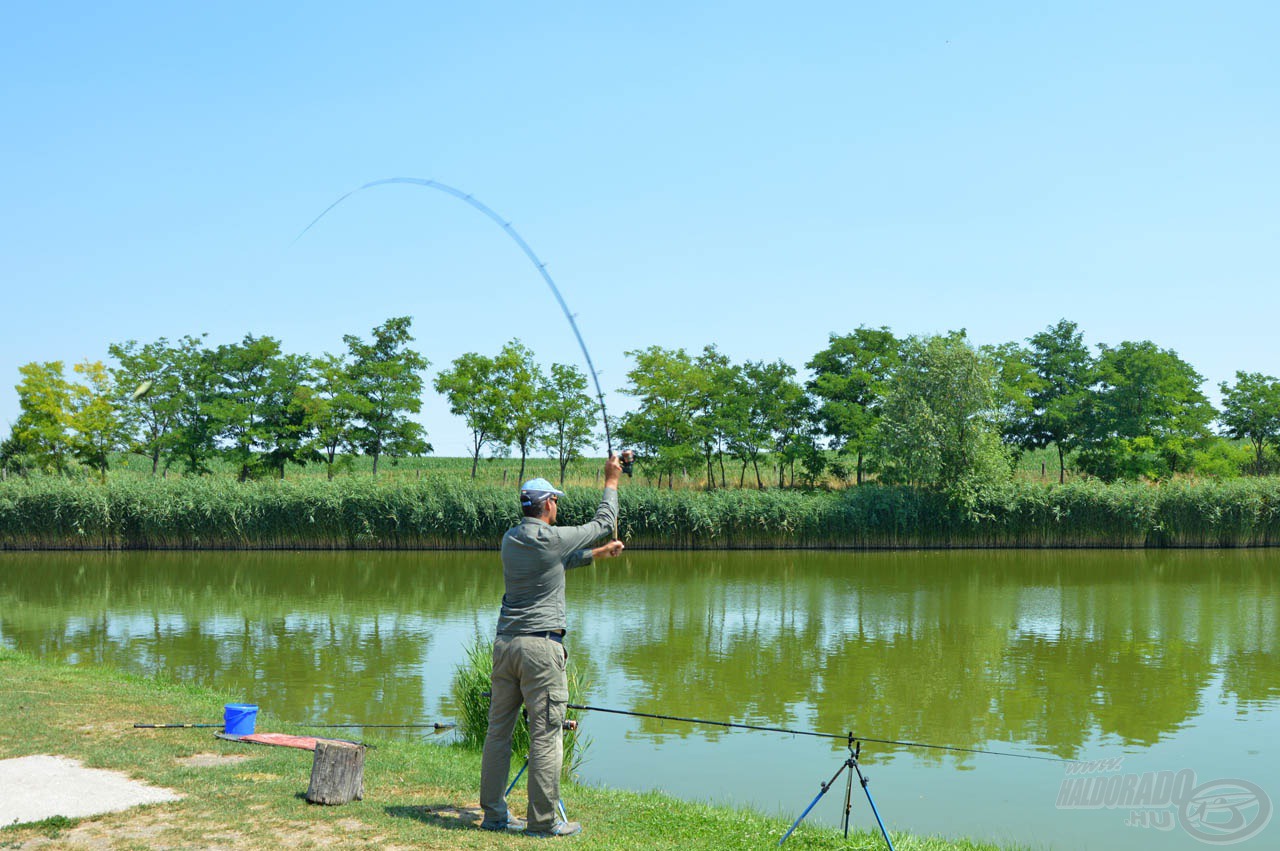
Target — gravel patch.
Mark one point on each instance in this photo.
(43, 786)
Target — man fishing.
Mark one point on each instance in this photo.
(529, 657)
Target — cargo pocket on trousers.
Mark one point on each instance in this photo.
(557, 704)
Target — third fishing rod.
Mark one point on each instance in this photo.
(844, 737)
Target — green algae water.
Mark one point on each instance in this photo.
(1160, 663)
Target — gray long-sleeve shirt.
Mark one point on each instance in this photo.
(535, 556)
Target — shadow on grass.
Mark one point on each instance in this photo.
(447, 816)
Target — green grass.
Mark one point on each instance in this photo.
(449, 513)
(253, 800)
(469, 691)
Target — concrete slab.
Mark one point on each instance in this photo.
(33, 788)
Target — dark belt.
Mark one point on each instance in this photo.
(554, 636)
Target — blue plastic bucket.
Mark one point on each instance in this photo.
(238, 718)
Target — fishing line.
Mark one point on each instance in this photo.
(844, 737)
(524, 246)
(841, 736)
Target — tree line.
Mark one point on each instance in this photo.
(938, 412)
(933, 411)
(184, 403)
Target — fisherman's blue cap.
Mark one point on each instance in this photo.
(535, 491)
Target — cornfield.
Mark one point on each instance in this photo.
(453, 513)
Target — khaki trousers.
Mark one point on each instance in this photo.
(527, 670)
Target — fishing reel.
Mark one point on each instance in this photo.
(628, 459)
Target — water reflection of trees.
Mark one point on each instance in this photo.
(946, 650)
(327, 636)
(964, 649)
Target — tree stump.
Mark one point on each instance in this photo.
(337, 774)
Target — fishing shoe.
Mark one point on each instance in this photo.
(560, 828)
(514, 824)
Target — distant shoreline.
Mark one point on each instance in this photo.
(358, 513)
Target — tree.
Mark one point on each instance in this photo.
(288, 428)
(44, 397)
(663, 426)
(791, 422)
(12, 456)
(767, 392)
(471, 387)
(570, 414)
(96, 429)
(386, 384)
(938, 428)
(1146, 413)
(1066, 371)
(194, 434)
(1016, 385)
(330, 409)
(715, 384)
(148, 421)
(520, 379)
(1251, 411)
(851, 378)
(806, 442)
(248, 387)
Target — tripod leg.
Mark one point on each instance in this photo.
(517, 779)
(874, 811)
(825, 787)
(848, 800)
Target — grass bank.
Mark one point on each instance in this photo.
(446, 513)
(248, 797)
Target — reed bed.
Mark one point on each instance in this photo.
(449, 513)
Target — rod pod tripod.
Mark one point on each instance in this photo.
(850, 763)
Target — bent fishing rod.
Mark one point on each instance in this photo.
(528, 252)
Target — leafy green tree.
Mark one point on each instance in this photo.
(570, 413)
(1065, 368)
(805, 443)
(386, 383)
(287, 433)
(1146, 414)
(193, 437)
(769, 391)
(663, 427)
(96, 428)
(470, 384)
(148, 421)
(247, 390)
(850, 381)
(12, 456)
(939, 425)
(1251, 411)
(791, 437)
(329, 410)
(716, 385)
(1222, 459)
(44, 398)
(1016, 385)
(520, 379)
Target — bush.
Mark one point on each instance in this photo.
(470, 683)
(1223, 459)
(360, 513)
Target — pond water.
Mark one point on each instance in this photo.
(1168, 661)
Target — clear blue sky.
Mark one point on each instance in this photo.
(756, 176)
